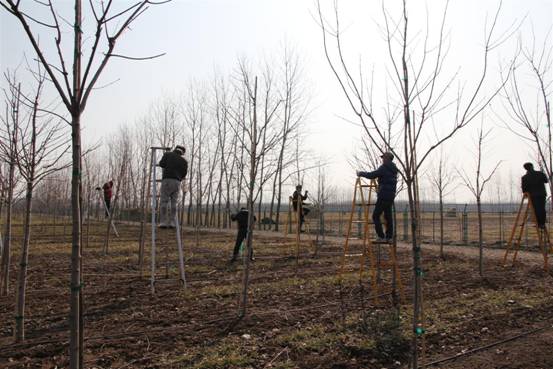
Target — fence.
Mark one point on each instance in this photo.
(460, 222)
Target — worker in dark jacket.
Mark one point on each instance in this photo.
(386, 176)
(533, 183)
(242, 218)
(175, 168)
(298, 198)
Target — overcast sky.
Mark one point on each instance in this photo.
(199, 36)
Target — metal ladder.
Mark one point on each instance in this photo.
(153, 186)
(110, 219)
(362, 199)
(544, 241)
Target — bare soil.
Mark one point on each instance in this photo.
(300, 314)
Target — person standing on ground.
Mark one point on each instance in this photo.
(296, 198)
(242, 218)
(533, 183)
(386, 176)
(108, 192)
(175, 168)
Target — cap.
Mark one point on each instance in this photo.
(528, 166)
(180, 148)
(387, 155)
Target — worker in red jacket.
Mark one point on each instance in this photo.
(108, 192)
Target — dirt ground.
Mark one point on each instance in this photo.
(300, 314)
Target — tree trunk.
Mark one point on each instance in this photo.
(251, 186)
(6, 253)
(22, 276)
(417, 273)
(74, 323)
(442, 227)
(145, 191)
(120, 184)
(480, 238)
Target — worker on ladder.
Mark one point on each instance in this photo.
(296, 198)
(533, 183)
(108, 193)
(386, 176)
(175, 168)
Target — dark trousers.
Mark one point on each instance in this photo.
(108, 204)
(240, 237)
(383, 206)
(303, 213)
(539, 208)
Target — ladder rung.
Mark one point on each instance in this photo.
(363, 204)
(368, 185)
(361, 221)
(352, 255)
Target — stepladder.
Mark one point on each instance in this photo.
(107, 211)
(359, 244)
(525, 220)
(174, 224)
(297, 211)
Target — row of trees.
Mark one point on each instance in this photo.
(208, 119)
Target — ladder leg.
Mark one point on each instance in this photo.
(154, 207)
(365, 235)
(369, 249)
(348, 233)
(519, 237)
(179, 246)
(298, 227)
(513, 231)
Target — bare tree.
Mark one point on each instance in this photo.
(8, 147)
(144, 142)
(255, 147)
(443, 181)
(224, 141)
(529, 111)
(322, 197)
(120, 155)
(476, 187)
(417, 74)
(74, 87)
(293, 113)
(40, 147)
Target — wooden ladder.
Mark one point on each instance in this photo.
(521, 220)
(363, 195)
(293, 224)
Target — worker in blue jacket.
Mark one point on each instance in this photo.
(386, 176)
